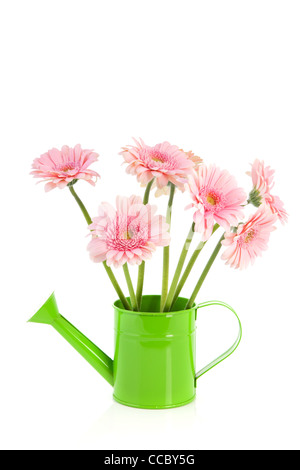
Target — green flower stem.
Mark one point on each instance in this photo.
(166, 255)
(81, 205)
(189, 268)
(178, 270)
(147, 192)
(140, 284)
(130, 287)
(141, 270)
(204, 273)
(116, 286)
(107, 268)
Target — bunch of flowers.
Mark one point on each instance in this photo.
(130, 232)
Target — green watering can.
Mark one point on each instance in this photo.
(154, 361)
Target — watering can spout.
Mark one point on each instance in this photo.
(50, 315)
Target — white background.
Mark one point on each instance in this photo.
(220, 78)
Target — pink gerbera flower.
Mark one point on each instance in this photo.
(194, 158)
(165, 162)
(130, 233)
(61, 167)
(275, 204)
(217, 199)
(165, 190)
(262, 179)
(249, 240)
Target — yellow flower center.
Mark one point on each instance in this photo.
(157, 157)
(127, 235)
(211, 200)
(249, 236)
(67, 167)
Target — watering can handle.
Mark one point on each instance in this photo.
(230, 350)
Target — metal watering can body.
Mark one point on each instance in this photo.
(155, 353)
